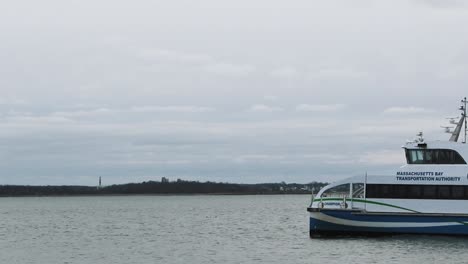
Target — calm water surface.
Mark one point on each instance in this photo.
(193, 229)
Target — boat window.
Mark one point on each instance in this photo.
(443, 157)
(429, 191)
(458, 192)
(414, 191)
(372, 191)
(417, 156)
(430, 157)
(433, 156)
(386, 190)
(443, 192)
(457, 159)
(400, 191)
(337, 191)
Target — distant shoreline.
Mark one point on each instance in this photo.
(163, 188)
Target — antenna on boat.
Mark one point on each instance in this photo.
(452, 120)
(420, 137)
(447, 129)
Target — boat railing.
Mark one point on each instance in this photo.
(359, 193)
(346, 194)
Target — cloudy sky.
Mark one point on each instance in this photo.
(233, 91)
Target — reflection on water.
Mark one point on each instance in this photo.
(193, 229)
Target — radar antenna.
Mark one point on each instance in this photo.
(452, 120)
(447, 129)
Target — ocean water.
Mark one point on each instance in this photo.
(194, 229)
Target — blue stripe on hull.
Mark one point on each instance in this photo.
(413, 218)
(320, 227)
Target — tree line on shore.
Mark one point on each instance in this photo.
(162, 187)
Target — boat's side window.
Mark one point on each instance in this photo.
(417, 191)
(458, 192)
(429, 192)
(386, 190)
(414, 191)
(443, 192)
(433, 156)
(400, 191)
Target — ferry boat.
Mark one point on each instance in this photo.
(427, 195)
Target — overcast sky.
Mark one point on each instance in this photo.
(234, 91)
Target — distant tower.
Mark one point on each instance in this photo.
(99, 182)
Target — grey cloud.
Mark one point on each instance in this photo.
(319, 108)
(337, 73)
(12, 101)
(444, 3)
(271, 98)
(135, 110)
(407, 110)
(175, 109)
(284, 72)
(229, 69)
(172, 55)
(265, 108)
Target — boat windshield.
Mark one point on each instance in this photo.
(433, 156)
(337, 191)
(344, 190)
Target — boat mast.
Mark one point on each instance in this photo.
(464, 115)
(456, 132)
